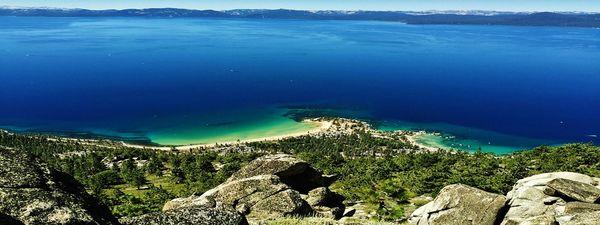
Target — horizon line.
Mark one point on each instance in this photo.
(309, 10)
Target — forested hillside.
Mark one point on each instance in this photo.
(384, 174)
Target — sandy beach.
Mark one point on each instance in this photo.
(321, 126)
(412, 138)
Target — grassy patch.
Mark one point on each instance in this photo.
(320, 221)
(165, 182)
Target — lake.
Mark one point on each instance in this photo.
(184, 81)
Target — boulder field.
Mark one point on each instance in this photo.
(560, 198)
(271, 187)
(281, 185)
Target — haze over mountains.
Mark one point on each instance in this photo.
(474, 17)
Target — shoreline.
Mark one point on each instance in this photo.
(322, 127)
(412, 139)
(325, 126)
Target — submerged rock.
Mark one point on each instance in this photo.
(32, 193)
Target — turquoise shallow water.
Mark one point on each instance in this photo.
(449, 136)
(174, 81)
(231, 127)
(255, 124)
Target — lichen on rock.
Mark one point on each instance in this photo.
(460, 205)
(560, 198)
(196, 215)
(270, 187)
(32, 193)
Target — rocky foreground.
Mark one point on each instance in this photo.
(561, 198)
(31, 193)
(276, 186)
(268, 188)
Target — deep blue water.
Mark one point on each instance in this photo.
(131, 76)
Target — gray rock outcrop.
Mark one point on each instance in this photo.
(552, 198)
(294, 172)
(32, 193)
(271, 187)
(560, 198)
(197, 215)
(576, 190)
(460, 205)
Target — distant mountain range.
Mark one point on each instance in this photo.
(475, 17)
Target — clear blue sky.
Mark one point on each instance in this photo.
(503, 5)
